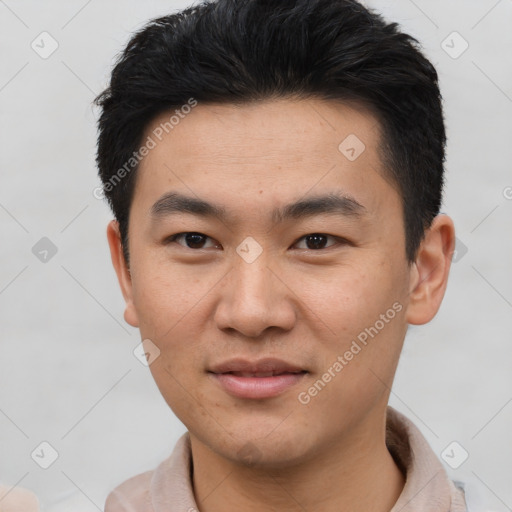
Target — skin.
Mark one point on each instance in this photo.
(202, 306)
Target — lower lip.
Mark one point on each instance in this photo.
(257, 387)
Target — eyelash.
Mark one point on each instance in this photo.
(341, 241)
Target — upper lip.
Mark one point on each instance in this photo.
(259, 366)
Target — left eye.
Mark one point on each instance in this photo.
(316, 241)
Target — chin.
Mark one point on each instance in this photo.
(258, 448)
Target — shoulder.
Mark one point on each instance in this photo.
(132, 495)
(16, 498)
(476, 497)
(168, 485)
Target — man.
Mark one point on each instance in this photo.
(275, 169)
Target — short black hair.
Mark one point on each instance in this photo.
(241, 51)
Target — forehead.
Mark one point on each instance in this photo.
(276, 149)
(243, 131)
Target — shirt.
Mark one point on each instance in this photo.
(427, 487)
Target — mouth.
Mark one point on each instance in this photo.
(262, 374)
(257, 385)
(260, 379)
(267, 367)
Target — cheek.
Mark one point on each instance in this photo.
(351, 297)
(165, 295)
(364, 311)
(177, 389)
(170, 301)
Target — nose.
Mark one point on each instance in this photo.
(254, 299)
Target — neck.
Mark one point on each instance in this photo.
(356, 474)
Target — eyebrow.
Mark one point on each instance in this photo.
(331, 203)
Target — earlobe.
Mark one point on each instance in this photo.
(429, 273)
(122, 271)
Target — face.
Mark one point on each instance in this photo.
(300, 257)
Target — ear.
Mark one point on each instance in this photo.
(429, 272)
(122, 271)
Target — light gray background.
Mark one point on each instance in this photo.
(67, 372)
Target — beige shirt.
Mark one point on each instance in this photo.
(427, 487)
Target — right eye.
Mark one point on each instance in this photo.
(193, 240)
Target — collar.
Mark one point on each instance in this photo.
(427, 487)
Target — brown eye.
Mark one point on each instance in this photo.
(317, 241)
(192, 239)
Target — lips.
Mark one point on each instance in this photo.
(267, 367)
(258, 374)
(262, 379)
